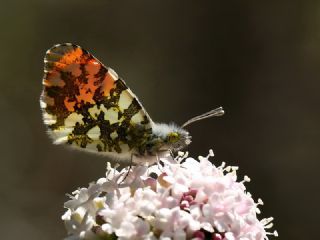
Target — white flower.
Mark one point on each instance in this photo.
(184, 199)
(78, 223)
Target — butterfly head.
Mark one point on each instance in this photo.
(178, 139)
(172, 137)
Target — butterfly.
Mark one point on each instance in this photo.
(87, 106)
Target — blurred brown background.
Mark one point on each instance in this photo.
(260, 61)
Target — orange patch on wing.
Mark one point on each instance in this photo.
(77, 83)
(108, 84)
(75, 56)
(69, 105)
(93, 67)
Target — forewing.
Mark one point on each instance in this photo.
(86, 105)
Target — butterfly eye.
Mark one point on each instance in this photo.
(173, 137)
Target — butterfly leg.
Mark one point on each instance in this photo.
(130, 166)
(171, 153)
(158, 162)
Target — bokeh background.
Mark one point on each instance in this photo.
(259, 60)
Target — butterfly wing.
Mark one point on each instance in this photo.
(86, 105)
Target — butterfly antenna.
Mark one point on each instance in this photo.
(213, 113)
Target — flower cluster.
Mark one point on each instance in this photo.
(175, 199)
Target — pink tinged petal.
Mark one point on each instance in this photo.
(244, 207)
(195, 212)
(101, 181)
(109, 186)
(130, 203)
(175, 214)
(117, 216)
(124, 197)
(170, 202)
(236, 227)
(149, 194)
(142, 227)
(191, 164)
(220, 226)
(107, 214)
(218, 210)
(93, 189)
(201, 196)
(147, 208)
(179, 235)
(194, 225)
(198, 182)
(179, 189)
(229, 236)
(126, 230)
(217, 186)
(163, 216)
(139, 171)
(182, 218)
(259, 235)
(166, 235)
(206, 209)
